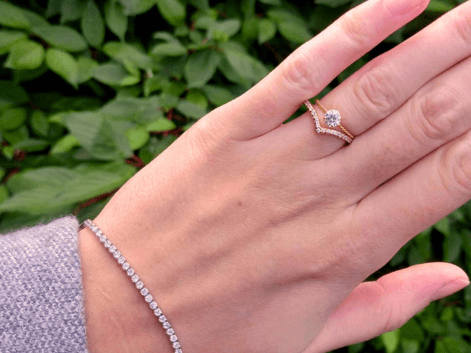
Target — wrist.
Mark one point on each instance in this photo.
(117, 318)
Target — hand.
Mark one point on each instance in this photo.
(256, 236)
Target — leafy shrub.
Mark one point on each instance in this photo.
(91, 91)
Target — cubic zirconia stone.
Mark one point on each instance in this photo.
(170, 332)
(107, 244)
(332, 118)
(130, 272)
(173, 338)
(157, 312)
(176, 344)
(135, 278)
(178, 350)
(125, 266)
(117, 254)
(318, 130)
(102, 239)
(139, 285)
(162, 318)
(148, 298)
(166, 325)
(121, 260)
(153, 306)
(112, 249)
(144, 292)
(99, 233)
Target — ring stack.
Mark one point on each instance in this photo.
(126, 267)
(332, 119)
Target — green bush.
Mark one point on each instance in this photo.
(91, 91)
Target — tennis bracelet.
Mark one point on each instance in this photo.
(136, 280)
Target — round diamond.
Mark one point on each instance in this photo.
(332, 118)
(125, 266)
(112, 249)
(153, 306)
(157, 312)
(139, 285)
(178, 350)
(117, 254)
(176, 344)
(144, 291)
(166, 325)
(130, 272)
(102, 238)
(170, 332)
(173, 338)
(121, 260)
(135, 278)
(107, 244)
(148, 298)
(162, 318)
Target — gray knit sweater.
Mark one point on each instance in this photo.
(41, 298)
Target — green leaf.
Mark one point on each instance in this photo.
(114, 74)
(65, 144)
(154, 147)
(13, 16)
(53, 8)
(294, 31)
(217, 95)
(333, 3)
(63, 64)
(4, 194)
(250, 28)
(190, 110)
(271, 2)
(31, 145)
(39, 123)
(13, 118)
(452, 247)
(11, 94)
(34, 18)
(115, 18)
(93, 27)
(390, 340)
(410, 346)
(266, 30)
(197, 97)
(62, 37)
(243, 64)
(227, 27)
(161, 124)
(201, 66)
(172, 10)
(412, 330)
(169, 49)
(440, 6)
(2, 173)
(136, 7)
(443, 226)
(8, 38)
(137, 137)
(85, 68)
(15, 136)
(123, 53)
(200, 4)
(72, 10)
(25, 55)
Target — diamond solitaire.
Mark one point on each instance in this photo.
(332, 118)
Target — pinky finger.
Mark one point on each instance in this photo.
(374, 308)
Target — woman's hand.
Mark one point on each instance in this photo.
(256, 236)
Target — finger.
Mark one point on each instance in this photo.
(312, 66)
(384, 84)
(409, 203)
(436, 114)
(374, 308)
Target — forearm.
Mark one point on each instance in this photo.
(117, 317)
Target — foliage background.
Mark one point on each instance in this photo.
(91, 91)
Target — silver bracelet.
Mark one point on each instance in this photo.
(135, 279)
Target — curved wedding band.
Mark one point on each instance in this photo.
(332, 119)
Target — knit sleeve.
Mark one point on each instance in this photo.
(41, 297)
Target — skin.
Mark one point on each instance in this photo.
(257, 236)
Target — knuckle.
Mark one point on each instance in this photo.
(454, 169)
(438, 112)
(376, 91)
(462, 25)
(299, 72)
(353, 25)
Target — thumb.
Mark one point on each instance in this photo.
(376, 307)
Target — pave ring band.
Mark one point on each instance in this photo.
(332, 119)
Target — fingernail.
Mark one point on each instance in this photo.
(401, 7)
(450, 288)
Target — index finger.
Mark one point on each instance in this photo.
(313, 66)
